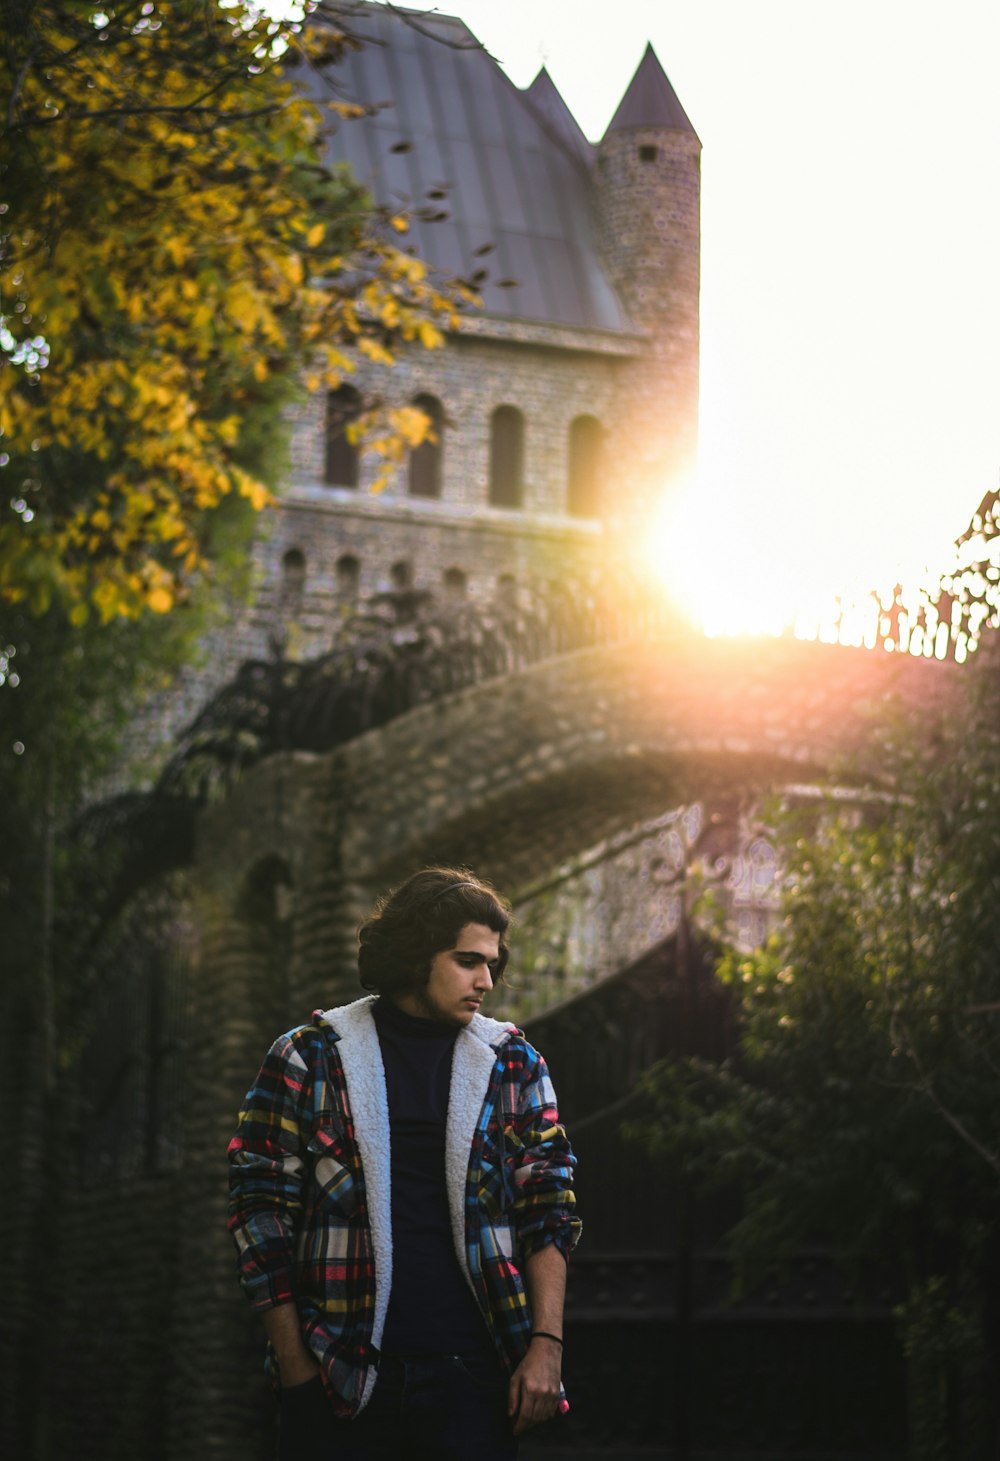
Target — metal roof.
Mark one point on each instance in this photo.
(453, 137)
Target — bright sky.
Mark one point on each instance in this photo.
(850, 261)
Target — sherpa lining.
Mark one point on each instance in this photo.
(361, 1058)
(364, 1073)
(471, 1068)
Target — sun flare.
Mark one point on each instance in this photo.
(729, 570)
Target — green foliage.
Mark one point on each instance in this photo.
(860, 1109)
(175, 257)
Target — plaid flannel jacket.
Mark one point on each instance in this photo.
(309, 1183)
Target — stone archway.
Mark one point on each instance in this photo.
(514, 775)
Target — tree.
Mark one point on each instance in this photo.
(861, 1106)
(176, 262)
(175, 258)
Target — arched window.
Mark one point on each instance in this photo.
(293, 573)
(507, 457)
(425, 459)
(341, 464)
(262, 933)
(586, 466)
(507, 590)
(455, 582)
(401, 575)
(291, 596)
(347, 577)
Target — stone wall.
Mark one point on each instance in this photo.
(472, 376)
(321, 548)
(606, 907)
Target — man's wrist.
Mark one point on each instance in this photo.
(295, 1366)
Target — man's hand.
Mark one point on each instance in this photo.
(534, 1386)
(297, 1367)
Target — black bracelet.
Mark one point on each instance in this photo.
(543, 1334)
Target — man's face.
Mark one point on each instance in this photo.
(460, 978)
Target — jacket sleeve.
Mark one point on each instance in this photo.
(544, 1203)
(265, 1176)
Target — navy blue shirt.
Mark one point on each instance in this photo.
(431, 1307)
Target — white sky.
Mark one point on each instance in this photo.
(850, 259)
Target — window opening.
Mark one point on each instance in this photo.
(341, 467)
(347, 576)
(456, 583)
(586, 466)
(425, 459)
(507, 457)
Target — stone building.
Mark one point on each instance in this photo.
(561, 407)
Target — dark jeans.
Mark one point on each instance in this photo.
(428, 1408)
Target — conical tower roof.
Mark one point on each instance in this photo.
(546, 100)
(650, 100)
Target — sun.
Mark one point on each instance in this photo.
(731, 569)
(707, 569)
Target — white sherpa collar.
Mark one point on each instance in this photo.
(345, 1017)
(471, 1071)
(491, 1032)
(364, 1073)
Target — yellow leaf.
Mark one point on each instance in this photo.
(79, 614)
(242, 307)
(315, 235)
(229, 430)
(160, 600)
(375, 350)
(176, 248)
(256, 492)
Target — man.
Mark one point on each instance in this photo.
(402, 1200)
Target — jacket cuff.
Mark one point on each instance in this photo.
(268, 1290)
(565, 1238)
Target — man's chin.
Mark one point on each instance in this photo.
(457, 1017)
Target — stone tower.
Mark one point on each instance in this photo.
(648, 215)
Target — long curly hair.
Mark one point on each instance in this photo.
(419, 919)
